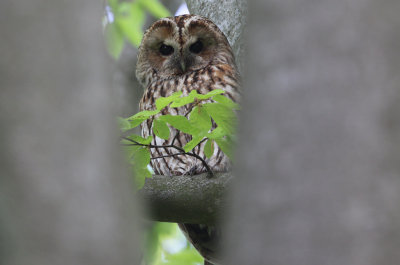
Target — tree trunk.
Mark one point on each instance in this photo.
(65, 197)
(319, 136)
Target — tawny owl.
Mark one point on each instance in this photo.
(186, 53)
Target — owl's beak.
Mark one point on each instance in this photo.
(183, 66)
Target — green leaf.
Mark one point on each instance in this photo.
(210, 94)
(141, 116)
(130, 19)
(180, 123)
(164, 101)
(144, 114)
(160, 128)
(155, 8)
(224, 117)
(179, 102)
(199, 118)
(123, 9)
(184, 257)
(141, 157)
(226, 102)
(217, 133)
(136, 122)
(141, 139)
(192, 144)
(123, 124)
(141, 173)
(114, 40)
(113, 4)
(138, 139)
(209, 148)
(226, 146)
(154, 239)
(193, 95)
(128, 150)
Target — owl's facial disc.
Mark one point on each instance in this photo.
(192, 55)
(177, 46)
(179, 59)
(174, 51)
(173, 59)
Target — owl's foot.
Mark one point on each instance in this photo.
(192, 171)
(197, 170)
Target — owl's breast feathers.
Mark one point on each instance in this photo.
(203, 81)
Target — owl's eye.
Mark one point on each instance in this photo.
(166, 49)
(196, 47)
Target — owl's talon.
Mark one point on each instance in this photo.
(210, 174)
(192, 171)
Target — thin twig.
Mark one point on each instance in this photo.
(157, 157)
(177, 148)
(133, 141)
(176, 136)
(178, 131)
(204, 163)
(202, 141)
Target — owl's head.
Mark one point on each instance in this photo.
(178, 45)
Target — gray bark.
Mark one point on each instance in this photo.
(65, 198)
(319, 136)
(229, 16)
(186, 199)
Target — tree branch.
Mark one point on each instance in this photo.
(195, 199)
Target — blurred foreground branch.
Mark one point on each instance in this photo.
(64, 198)
(322, 111)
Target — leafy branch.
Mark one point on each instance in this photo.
(182, 152)
(210, 119)
(124, 21)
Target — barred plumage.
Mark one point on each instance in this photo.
(185, 53)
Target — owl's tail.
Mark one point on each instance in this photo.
(205, 239)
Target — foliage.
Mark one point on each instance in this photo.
(203, 111)
(127, 21)
(166, 245)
